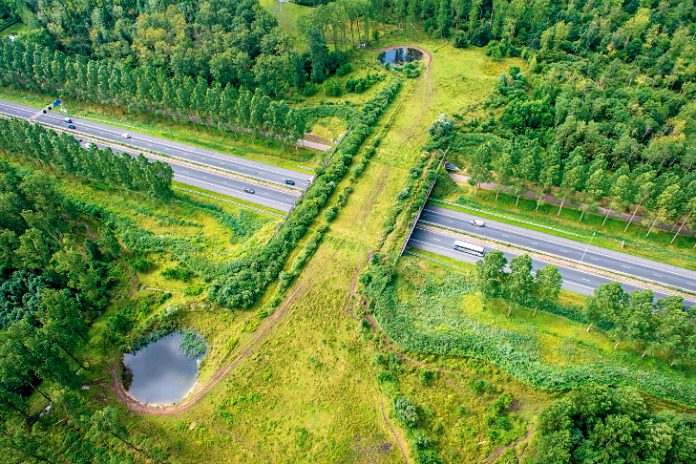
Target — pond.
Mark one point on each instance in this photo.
(160, 373)
(399, 56)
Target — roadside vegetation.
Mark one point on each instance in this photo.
(322, 342)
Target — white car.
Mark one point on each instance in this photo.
(126, 135)
(477, 223)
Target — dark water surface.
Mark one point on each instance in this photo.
(161, 372)
(400, 56)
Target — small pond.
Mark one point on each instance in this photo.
(399, 56)
(160, 373)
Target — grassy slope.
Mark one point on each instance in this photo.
(455, 315)
(308, 393)
(656, 246)
(193, 134)
(288, 14)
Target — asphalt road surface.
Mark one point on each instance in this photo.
(281, 200)
(241, 166)
(573, 279)
(622, 263)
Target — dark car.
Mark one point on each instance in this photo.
(71, 126)
(248, 190)
(289, 182)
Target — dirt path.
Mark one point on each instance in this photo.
(400, 442)
(116, 386)
(495, 454)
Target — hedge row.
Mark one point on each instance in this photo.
(246, 279)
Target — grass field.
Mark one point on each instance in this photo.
(313, 389)
(288, 14)
(309, 392)
(211, 138)
(657, 246)
(15, 29)
(439, 312)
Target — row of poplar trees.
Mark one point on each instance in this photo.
(148, 89)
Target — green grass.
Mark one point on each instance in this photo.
(211, 138)
(288, 14)
(437, 311)
(15, 29)
(611, 236)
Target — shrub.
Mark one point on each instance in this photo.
(310, 89)
(333, 88)
(179, 272)
(344, 69)
(361, 84)
(192, 344)
(406, 412)
(461, 40)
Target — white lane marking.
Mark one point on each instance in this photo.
(551, 237)
(149, 141)
(236, 192)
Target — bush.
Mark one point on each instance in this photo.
(406, 412)
(309, 89)
(361, 84)
(344, 69)
(461, 40)
(333, 88)
(192, 344)
(179, 272)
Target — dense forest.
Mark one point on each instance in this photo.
(605, 114)
(58, 268)
(218, 63)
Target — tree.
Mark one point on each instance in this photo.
(318, 55)
(619, 195)
(480, 165)
(689, 216)
(595, 189)
(605, 424)
(666, 206)
(641, 320)
(520, 283)
(572, 180)
(644, 187)
(674, 329)
(605, 304)
(503, 166)
(547, 286)
(547, 179)
(525, 172)
(491, 274)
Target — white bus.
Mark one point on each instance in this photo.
(469, 248)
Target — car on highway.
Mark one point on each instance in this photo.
(289, 182)
(71, 126)
(126, 135)
(249, 190)
(477, 223)
(68, 120)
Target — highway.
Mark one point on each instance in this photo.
(282, 200)
(614, 261)
(189, 153)
(573, 279)
(234, 187)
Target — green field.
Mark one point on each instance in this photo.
(438, 311)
